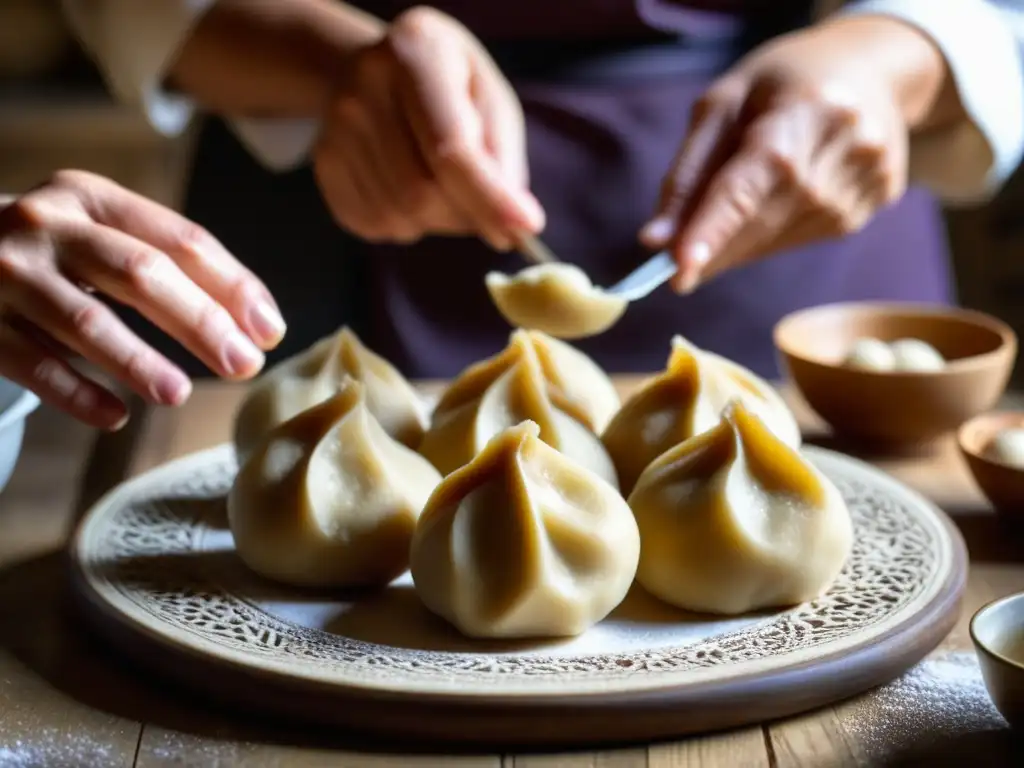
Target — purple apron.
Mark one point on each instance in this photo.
(606, 107)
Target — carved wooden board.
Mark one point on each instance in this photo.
(156, 573)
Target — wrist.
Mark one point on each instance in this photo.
(904, 61)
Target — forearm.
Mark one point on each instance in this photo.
(274, 58)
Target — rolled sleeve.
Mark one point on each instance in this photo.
(983, 43)
(134, 42)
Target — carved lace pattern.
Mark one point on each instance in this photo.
(148, 552)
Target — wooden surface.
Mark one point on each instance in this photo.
(67, 700)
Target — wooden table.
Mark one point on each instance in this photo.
(65, 700)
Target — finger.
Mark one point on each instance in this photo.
(199, 254)
(57, 384)
(140, 276)
(706, 146)
(436, 90)
(504, 128)
(90, 329)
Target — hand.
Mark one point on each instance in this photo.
(80, 234)
(425, 136)
(801, 141)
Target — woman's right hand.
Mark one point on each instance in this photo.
(425, 136)
(81, 234)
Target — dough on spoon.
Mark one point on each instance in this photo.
(558, 299)
(328, 498)
(683, 401)
(523, 383)
(312, 376)
(734, 520)
(524, 542)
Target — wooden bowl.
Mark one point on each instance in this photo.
(896, 409)
(997, 631)
(1002, 484)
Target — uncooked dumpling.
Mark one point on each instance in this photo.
(870, 354)
(328, 498)
(557, 298)
(684, 400)
(734, 520)
(536, 379)
(312, 376)
(914, 355)
(1007, 447)
(524, 542)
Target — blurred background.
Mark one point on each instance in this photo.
(55, 113)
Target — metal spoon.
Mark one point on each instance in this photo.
(658, 269)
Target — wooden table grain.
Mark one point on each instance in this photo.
(66, 700)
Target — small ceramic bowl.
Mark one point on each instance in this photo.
(896, 409)
(1002, 484)
(16, 404)
(997, 631)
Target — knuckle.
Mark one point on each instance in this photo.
(27, 212)
(14, 267)
(781, 164)
(192, 241)
(348, 110)
(73, 178)
(213, 323)
(416, 21)
(90, 321)
(140, 270)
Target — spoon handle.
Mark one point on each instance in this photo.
(534, 250)
(645, 278)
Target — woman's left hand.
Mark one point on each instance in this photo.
(803, 140)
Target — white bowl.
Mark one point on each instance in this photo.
(16, 403)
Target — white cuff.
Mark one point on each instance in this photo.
(135, 41)
(968, 162)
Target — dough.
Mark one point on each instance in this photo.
(312, 376)
(1007, 447)
(869, 354)
(914, 355)
(684, 400)
(535, 378)
(558, 299)
(328, 498)
(734, 520)
(524, 542)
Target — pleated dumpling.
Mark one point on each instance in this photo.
(524, 542)
(328, 498)
(684, 400)
(534, 379)
(312, 376)
(735, 520)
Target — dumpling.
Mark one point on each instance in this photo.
(524, 542)
(312, 376)
(870, 354)
(535, 378)
(914, 355)
(684, 400)
(556, 298)
(328, 498)
(735, 520)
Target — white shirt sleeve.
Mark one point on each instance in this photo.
(983, 42)
(134, 42)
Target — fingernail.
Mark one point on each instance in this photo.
(173, 388)
(657, 231)
(267, 322)
(241, 357)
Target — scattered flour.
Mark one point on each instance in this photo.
(53, 748)
(941, 697)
